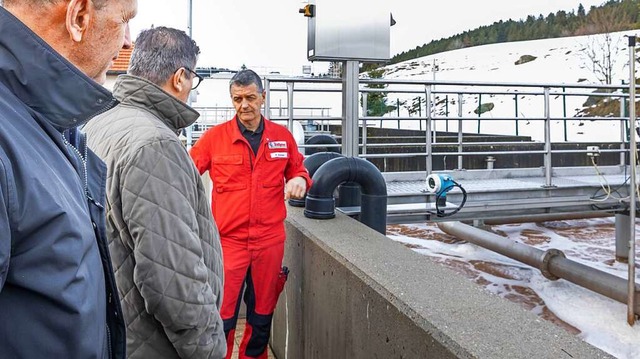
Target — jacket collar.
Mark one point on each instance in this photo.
(138, 92)
(237, 132)
(44, 80)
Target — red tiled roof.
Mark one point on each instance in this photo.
(121, 64)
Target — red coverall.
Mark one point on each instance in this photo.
(249, 209)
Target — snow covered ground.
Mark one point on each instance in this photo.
(557, 61)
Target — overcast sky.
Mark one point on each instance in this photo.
(271, 35)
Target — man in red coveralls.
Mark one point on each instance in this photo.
(254, 165)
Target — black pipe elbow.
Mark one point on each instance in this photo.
(320, 203)
(312, 163)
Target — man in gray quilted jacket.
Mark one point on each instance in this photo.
(164, 244)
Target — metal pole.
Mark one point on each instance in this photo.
(564, 112)
(515, 99)
(364, 123)
(446, 110)
(290, 106)
(427, 130)
(631, 317)
(460, 130)
(479, 110)
(623, 138)
(267, 99)
(350, 108)
(398, 109)
(547, 139)
(189, 129)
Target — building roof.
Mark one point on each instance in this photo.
(121, 64)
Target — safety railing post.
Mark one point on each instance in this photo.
(460, 130)
(365, 96)
(547, 140)
(633, 149)
(290, 106)
(267, 98)
(427, 130)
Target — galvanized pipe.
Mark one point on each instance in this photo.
(551, 263)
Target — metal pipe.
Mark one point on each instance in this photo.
(350, 107)
(552, 263)
(632, 291)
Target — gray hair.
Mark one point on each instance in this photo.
(159, 52)
(246, 78)
(99, 4)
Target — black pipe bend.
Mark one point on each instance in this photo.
(320, 203)
(347, 169)
(312, 163)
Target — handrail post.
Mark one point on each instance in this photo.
(547, 140)
(429, 140)
(564, 112)
(623, 137)
(267, 98)
(365, 97)
(460, 130)
(515, 100)
(290, 106)
(631, 317)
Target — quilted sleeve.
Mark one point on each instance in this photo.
(159, 209)
(200, 152)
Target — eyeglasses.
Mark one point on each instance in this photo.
(196, 79)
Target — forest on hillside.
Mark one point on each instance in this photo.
(612, 16)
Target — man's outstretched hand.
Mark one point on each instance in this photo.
(295, 188)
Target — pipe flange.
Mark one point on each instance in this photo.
(544, 267)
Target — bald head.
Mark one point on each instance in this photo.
(8, 3)
(87, 33)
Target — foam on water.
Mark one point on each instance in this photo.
(598, 320)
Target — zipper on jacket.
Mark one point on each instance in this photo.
(83, 160)
(109, 342)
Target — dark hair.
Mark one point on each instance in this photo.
(246, 78)
(159, 52)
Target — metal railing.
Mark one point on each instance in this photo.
(467, 96)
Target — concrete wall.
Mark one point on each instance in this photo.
(353, 293)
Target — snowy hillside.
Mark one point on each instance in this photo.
(557, 61)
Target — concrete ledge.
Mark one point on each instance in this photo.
(353, 293)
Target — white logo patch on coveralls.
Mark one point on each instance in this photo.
(279, 155)
(275, 145)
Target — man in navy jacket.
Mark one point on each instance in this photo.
(57, 293)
